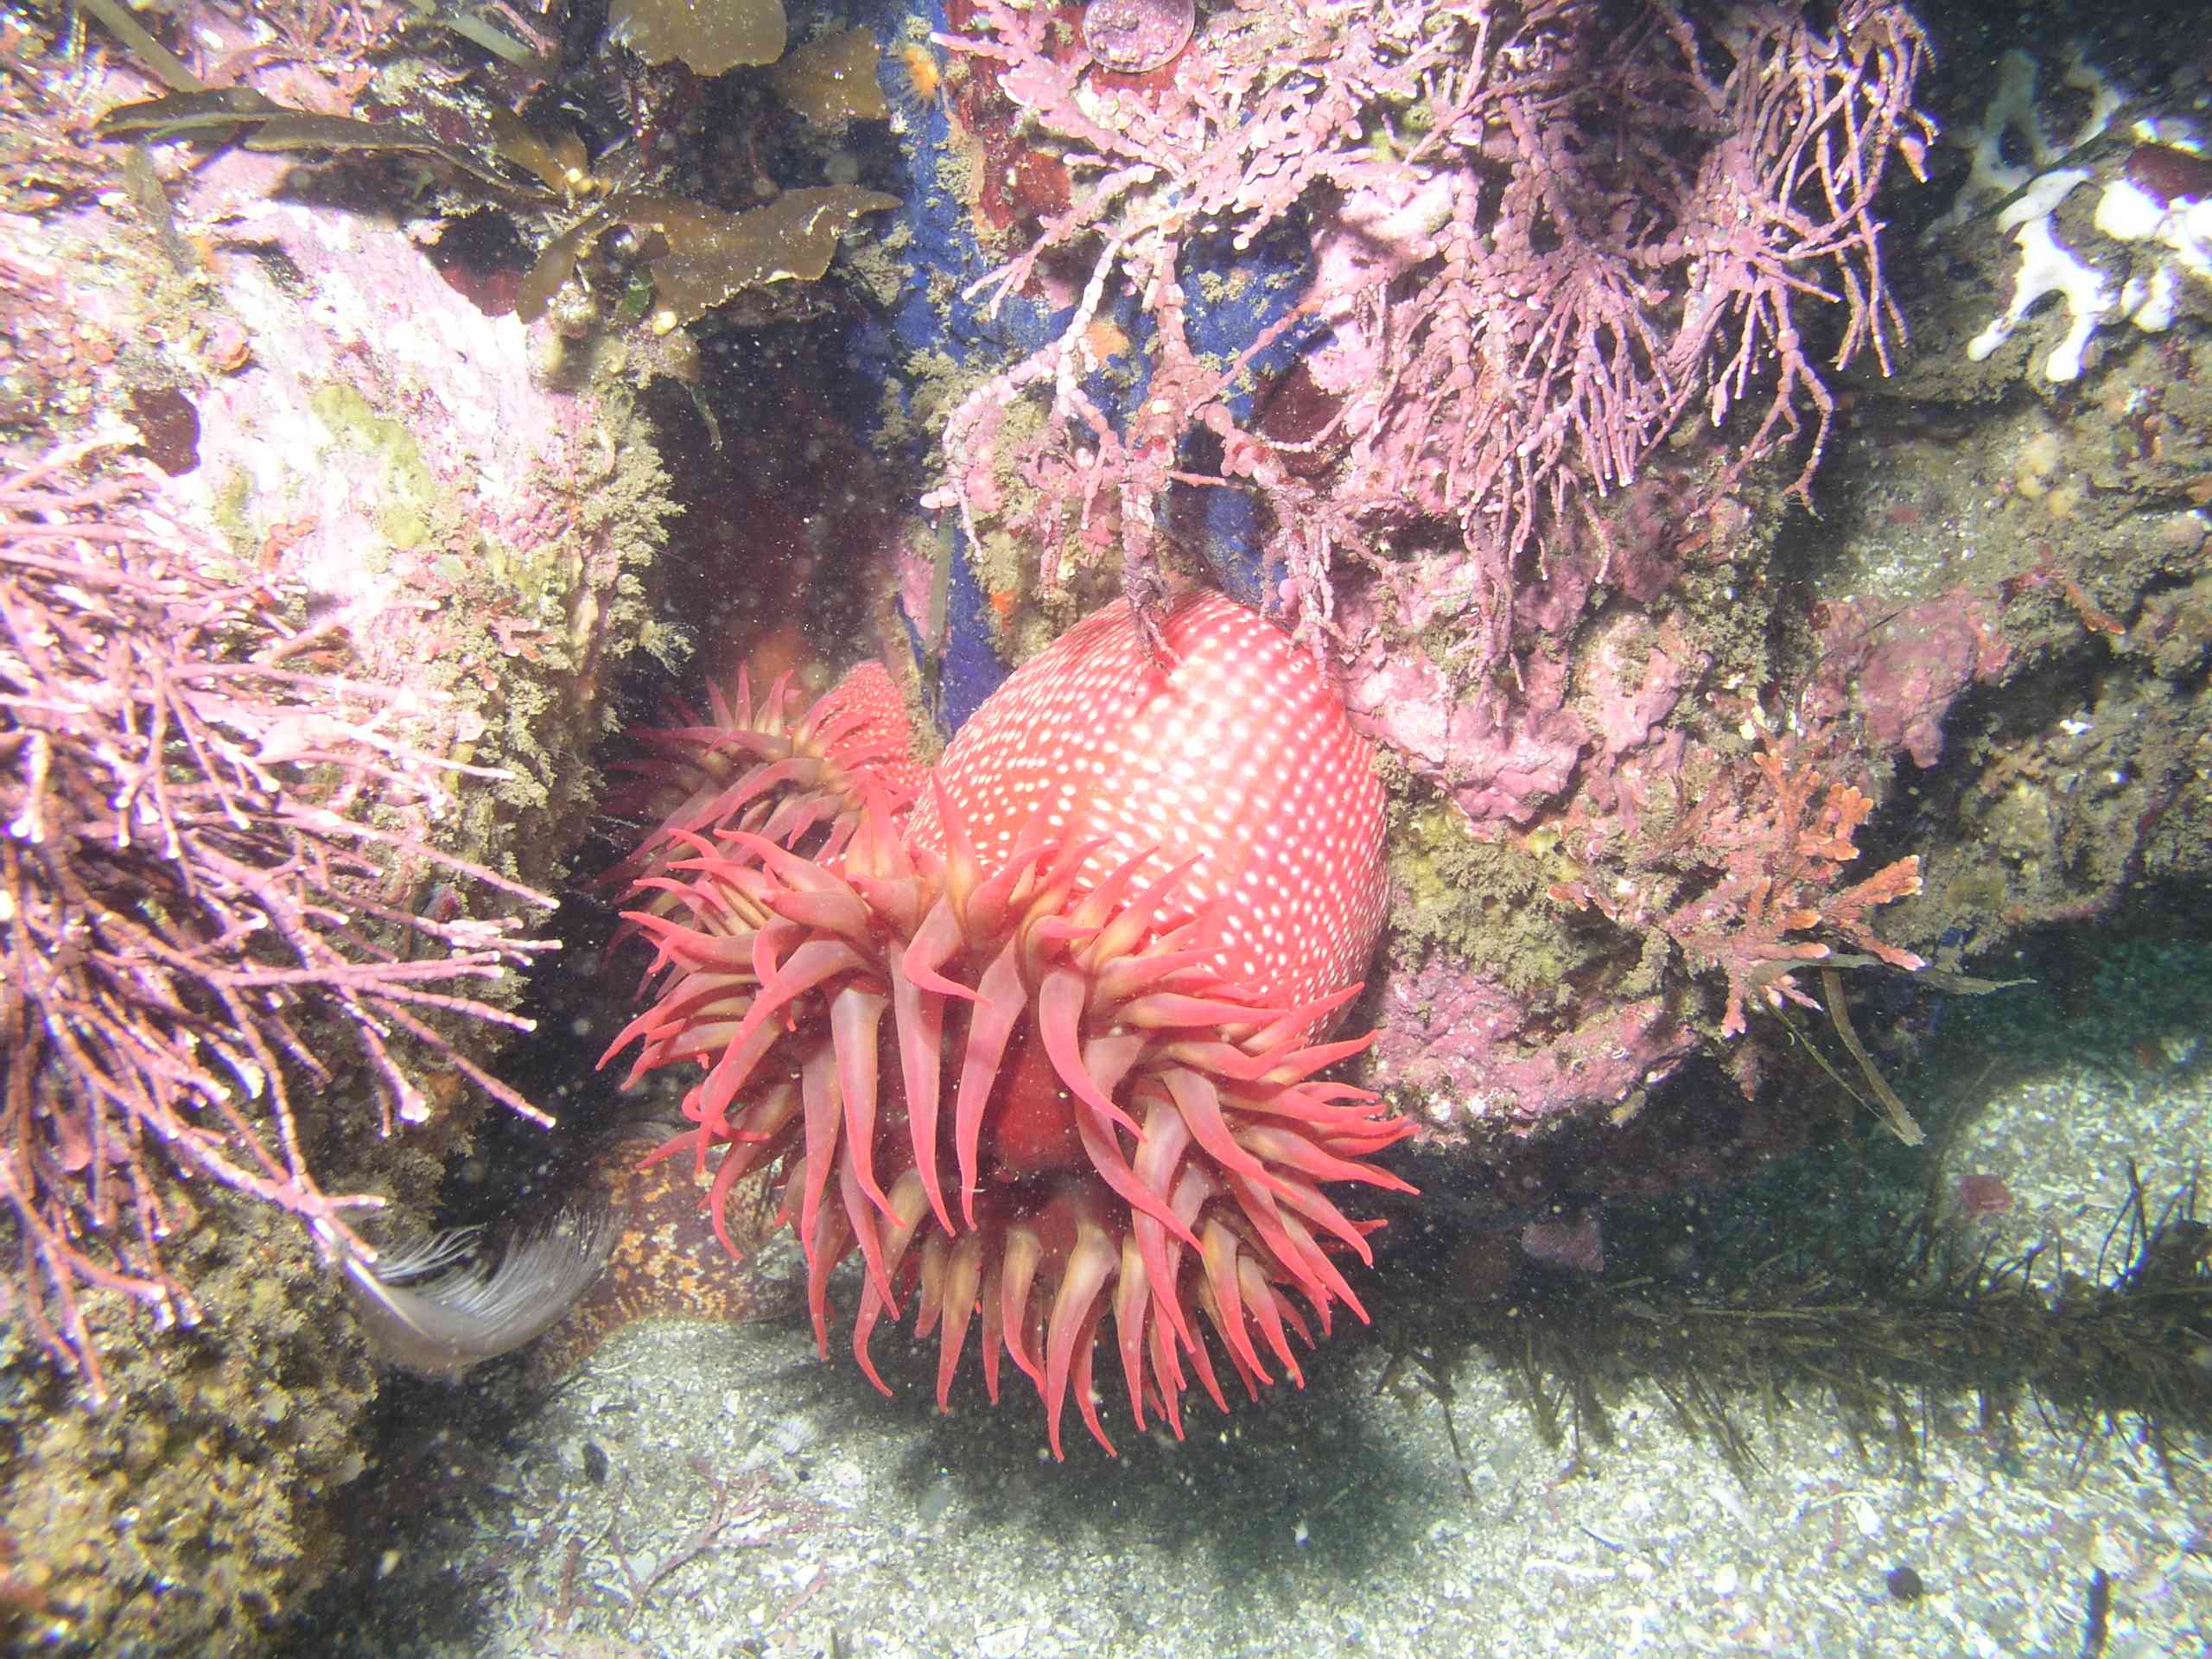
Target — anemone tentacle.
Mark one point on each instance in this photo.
(1088, 996)
(796, 778)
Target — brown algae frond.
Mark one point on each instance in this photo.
(832, 78)
(700, 257)
(710, 36)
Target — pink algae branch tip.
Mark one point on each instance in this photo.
(1590, 235)
(216, 853)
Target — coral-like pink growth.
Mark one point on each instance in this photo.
(1107, 944)
(1496, 757)
(1606, 222)
(1778, 840)
(769, 769)
(1903, 670)
(1744, 874)
(1479, 1052)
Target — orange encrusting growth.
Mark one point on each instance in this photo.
(1048, 1047)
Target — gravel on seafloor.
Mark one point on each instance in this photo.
(1334, 1520)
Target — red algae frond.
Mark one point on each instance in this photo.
(1542, 238)
(195, 898)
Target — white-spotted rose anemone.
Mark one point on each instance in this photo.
(1049, 1045)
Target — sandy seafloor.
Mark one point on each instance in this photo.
(1333, 1520)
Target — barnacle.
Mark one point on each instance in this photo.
(438, 1306)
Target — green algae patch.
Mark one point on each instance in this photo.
(1475, 901)
(381, 456)
(533, 630)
